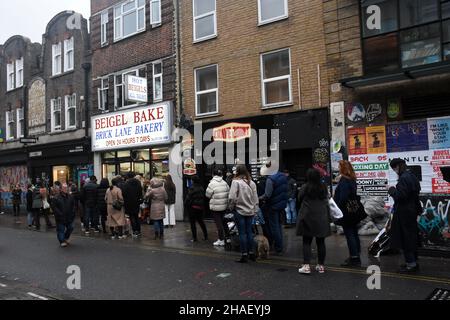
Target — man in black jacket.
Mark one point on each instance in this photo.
(63, 206)
(30, 205)
(133, 197)
(89, 200)
(404, 230)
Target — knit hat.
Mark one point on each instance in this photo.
(395, 162)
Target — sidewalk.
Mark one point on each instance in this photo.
(180, 236)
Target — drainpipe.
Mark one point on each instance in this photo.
(87, 68)
(178, 63)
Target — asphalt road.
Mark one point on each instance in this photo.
(32, 262)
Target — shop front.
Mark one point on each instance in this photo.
(13, 171)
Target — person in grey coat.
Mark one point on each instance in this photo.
(313, 220)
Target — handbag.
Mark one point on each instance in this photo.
(45, 204)
(335, 212)
(117, 204)
(355, 210)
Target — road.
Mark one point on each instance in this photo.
(32, 262)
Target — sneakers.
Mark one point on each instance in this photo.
(243, 259)
(320, 268)
(352, 262)
(305, 269)
(252, 257)
(219, 243)
(96, 231)
(87, 233)
(405, 269)
(63, 244)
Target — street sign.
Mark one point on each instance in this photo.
(28, 140)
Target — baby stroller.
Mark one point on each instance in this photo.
(381, 244)
(232, 238)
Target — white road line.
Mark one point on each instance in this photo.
(3, 285)
(36, 296)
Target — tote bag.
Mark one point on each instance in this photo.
(335, 212)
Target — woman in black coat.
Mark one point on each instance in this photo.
(195, 205)
(101, 202)
(404, 230)
(313, 219)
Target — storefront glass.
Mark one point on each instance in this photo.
(61, 174)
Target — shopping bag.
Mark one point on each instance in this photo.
(335, 212)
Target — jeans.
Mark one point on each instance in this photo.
(135, 223)
(16, 209)
(353, 243)
(30, 218)
(196, 215)
(275, 229)
(222, 227)
(169, 220)
(321, 250)
(291, 211)
(158, 225)
(63, 231)
(91, 216)
(245, 228)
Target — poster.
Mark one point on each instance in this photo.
(372, 171)
(356, 113)
(375, 113)
(337, 126)
(419, 162)
(440, 158)
(357, 141)
(376, 139)
(403, 137)
(439, 133)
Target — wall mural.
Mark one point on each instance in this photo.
(434, 221)
(36, 107)
(11, 176)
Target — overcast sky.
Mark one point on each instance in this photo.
(30, 17)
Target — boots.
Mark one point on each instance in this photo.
(244, 259)
(156, 236)
(352, 262)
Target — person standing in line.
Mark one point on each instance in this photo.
(217, 192)
(243, 199)
(404, 231)
(158, 197)
(101, 202)
(29, 198)
(346, 191)
(74, 191)
(16, 193)
(63, 206)
(313, 220)
(171, 191)
(263, 207)
(195, 205)
(133, 196)
(89, 199)
(291, 208)
(43, 196)
(116, 212)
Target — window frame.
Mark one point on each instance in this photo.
(69, 107)
(69, 50)
(9, 119)
(19, 72)
(10, 76)
(104, 28)
(122, 74)
(53, 103)
(266, 105)
(57, 53)
(283, 17)
(195, 18)
(101, 92)
(119, 18)
(155, 76)
(158, 22)
(197, 93)
(20, 123)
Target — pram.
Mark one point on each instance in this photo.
(232, 237)
(381, 244)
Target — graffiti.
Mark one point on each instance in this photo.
(356, 112)
(323, 143)
(433, 222)
(321, 155)
(11, 176)
(374, 111)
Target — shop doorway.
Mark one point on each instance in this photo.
(298, 161)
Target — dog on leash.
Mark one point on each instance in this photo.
(262, 245)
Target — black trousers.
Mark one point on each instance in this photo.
(321, 250)
(16, 209)
(37, 217)
(196, 215)
(222, 227)
(135, 222)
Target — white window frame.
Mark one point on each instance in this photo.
(159, 21)
(264, 81)
(118, 34)
(284, 16)
(20, 122)
(19, 72)
(195, 18)
(69, 52)
(10, 77)
(104, 89)
(197, 93)
(54, 103)
(56, 54)
(122, 87)
(70, 107)
(104, 28)
(9, 120)
(160, 76)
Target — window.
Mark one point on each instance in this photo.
(104, 28)
(20, 123)
(71, 111)
(205, 20)
(272, 10)
(11, 76)
(56, 54)
(129, 19)
(420, 46)
(119, 89)
(415, 12)
(56, 114)
(381, 53)
(19, 72)
(206, 90)
(103, 94)
(9, 125)
(155, 12)
(157, 81)
(68, 55)
(388, 16)
(276, 78)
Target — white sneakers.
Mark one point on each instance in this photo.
(306, 269)
(219, 243)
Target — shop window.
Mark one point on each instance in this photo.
(272, 10)
(20, 123)
(157, 81)
(155, 9)
(103, 93)
(124, 168)
(61, 174)
(206, 90)
(19, 72)
(205, 20)
(11, 76)
(387, 11)
(276, 78)
(109, 155)
(71, 111)
(123, 154)
(160, 154)
(447, 52)
(446, 31)
(129, 19)
(415, 12)
(380, 54)
(140, 155)
(56, 59)
(420, 46)
(9, 125)
(55, 114)
(104, 28)
(68, 55)
(445, 10)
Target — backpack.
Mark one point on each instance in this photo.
(37, 200)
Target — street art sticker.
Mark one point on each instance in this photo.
(403, 137)
(337, 114)
(372, 171)
(376, 139)
(357, 141)
(439, 158)
(393, 109)
(434, 221)
(439, 133)
(374, 112)
(356, 113)
(419, 164)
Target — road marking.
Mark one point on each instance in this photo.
(34, 295)
(3, 285)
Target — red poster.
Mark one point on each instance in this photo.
(357, 141)
(440, 158)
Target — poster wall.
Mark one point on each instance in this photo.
(376, 139)
(372, 172)
(439, 158)
(357, 141)
(439, 133)
(411, 136)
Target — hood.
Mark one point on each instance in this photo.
(156, 183)
(217, 178)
